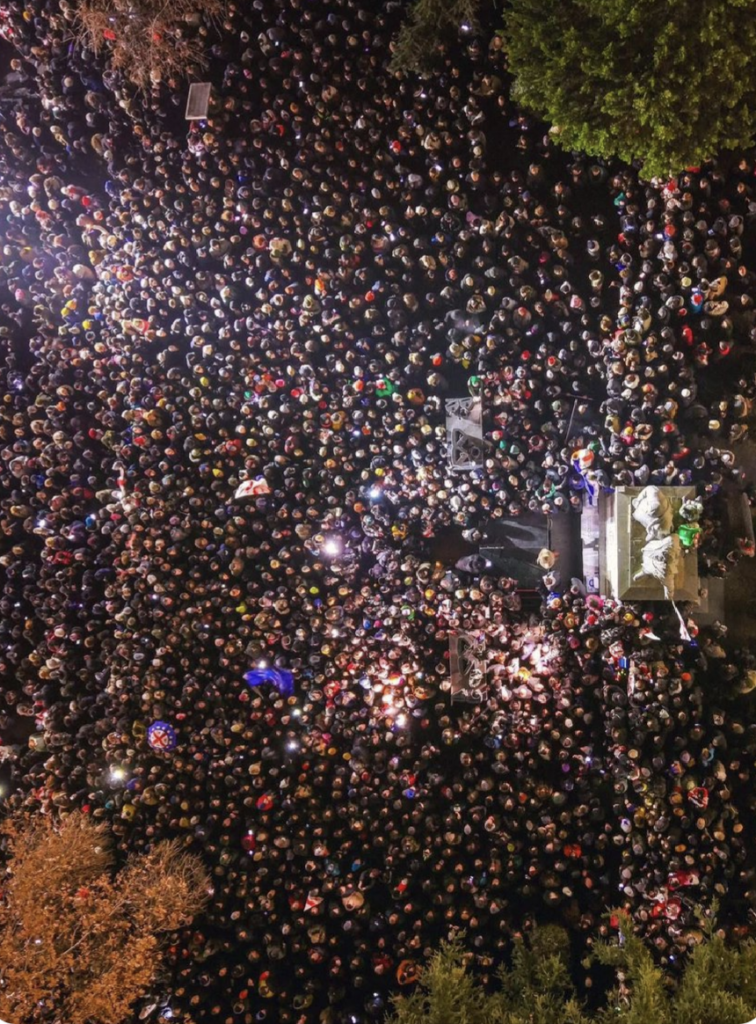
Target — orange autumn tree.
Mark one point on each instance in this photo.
(149, 41)
(78, 942)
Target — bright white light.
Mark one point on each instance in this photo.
(332, 546)
(401, 720)
(292, 745)
(375, 492)
(297, 712)
(117, 774)
(262, 664)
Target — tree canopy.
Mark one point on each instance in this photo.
(147, 40)
(666, 84)
(717, 985)
(663, 83)
(427, 26)
(79, 943)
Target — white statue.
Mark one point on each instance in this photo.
(661, 557)
(653, 510)
(662, 553)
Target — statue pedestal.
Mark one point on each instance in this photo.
(712, 605)
(621, 541)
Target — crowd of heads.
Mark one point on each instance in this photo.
(286, 294)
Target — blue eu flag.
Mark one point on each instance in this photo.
(281, 678)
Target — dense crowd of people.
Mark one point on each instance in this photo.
(285, 295)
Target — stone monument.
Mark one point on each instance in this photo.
(642, 554)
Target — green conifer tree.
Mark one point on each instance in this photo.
(656, 81)
(664, 83)
(717, 986)
(429, 24)
(641, 995)
(446, 992)
(537, 988)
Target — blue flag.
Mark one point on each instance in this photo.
(281, 678)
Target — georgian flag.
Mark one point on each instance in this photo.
(252, 488)
(313, 901)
